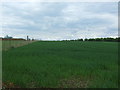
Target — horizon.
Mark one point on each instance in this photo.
(59, 40)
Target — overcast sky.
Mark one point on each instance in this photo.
(61, 20)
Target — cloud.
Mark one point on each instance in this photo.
(56, 21)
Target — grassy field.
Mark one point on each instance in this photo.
(62, 64)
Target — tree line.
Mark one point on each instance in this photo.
(98, 39)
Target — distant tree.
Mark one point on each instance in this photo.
(32, 39)
(109, 39)
(79, 39)
(103, 39)
(117, 39)
(91, 39)
(86, 39)
(72, 40)
(98, 39)
(8, 37)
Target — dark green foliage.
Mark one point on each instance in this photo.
(80, 40)
(86, 39)
(104, 39)
(108, 39)
(46, 63)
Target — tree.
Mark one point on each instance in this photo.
(7, 37)
(86, 39)
(79, 39)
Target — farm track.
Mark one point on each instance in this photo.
(10, 44)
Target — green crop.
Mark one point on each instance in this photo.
(62, 64)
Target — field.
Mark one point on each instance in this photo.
(68, 64)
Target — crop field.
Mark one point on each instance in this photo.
(61, 64)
